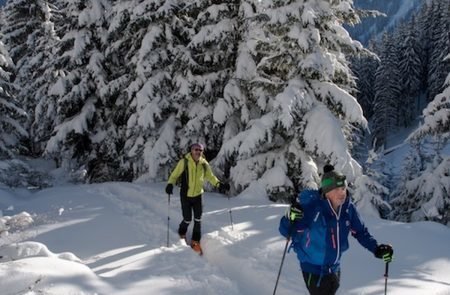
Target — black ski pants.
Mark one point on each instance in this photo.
(322, 285)
(189, 205)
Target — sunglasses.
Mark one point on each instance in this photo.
(198, 150)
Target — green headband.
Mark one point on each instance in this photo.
(332, 181)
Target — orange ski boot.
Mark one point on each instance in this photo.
(195, 245)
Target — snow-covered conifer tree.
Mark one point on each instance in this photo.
(30, 31)
(365, 68)
(203, 68)
(426, 196)
(78, 91)
(410, 73)
(436, 115)
(369, 189)
(21, 17)
(149, 41)
(424, 19)
(12, 133)
(11, 114)
(22, 28)
(290, 108)
(439, 47)
(387, 90)
(182, 54)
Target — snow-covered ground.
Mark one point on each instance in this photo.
(111, 239)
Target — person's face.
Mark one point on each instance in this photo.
(196, 153)
(337, 196)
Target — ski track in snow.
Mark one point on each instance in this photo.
(119, 232)
(232, 271)
(139, 211)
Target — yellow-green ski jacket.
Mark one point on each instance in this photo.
(197, 173)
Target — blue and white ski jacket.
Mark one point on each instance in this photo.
(321, 236)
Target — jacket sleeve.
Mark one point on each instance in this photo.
(290, 229)
(360, 231)
(308, 200)
(176, 172)
(210, 176)
(285, 227)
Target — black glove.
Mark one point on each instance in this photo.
(385, 252)
(295, 212)
(169, 188)
(223, 187)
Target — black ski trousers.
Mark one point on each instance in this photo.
(325, 285)
(189, 205)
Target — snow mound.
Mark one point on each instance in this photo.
(17, 251)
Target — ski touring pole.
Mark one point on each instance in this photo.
(386, 272)
(229, 211)
(281, 265)
(168, 218)
(288, 238)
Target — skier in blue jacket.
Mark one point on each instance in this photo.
(319, 225)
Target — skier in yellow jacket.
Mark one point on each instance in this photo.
(191, 190)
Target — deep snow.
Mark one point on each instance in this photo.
(111, 239)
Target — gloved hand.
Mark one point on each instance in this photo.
(295, 212)
(223, 187)
(169, 188)
(385, 252)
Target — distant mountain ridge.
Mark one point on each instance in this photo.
(396, 12)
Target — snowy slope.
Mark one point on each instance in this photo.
(396, 12)
(111, 239)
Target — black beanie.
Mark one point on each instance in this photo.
(331, 179)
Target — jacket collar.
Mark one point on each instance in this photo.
(188, 156)
(329, 209)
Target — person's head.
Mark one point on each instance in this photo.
(334, 186)
(197, 151)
